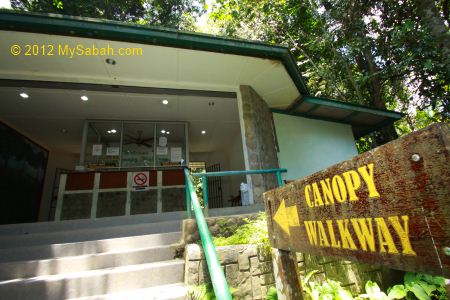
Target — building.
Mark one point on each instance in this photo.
(98, 120)
(120, 109)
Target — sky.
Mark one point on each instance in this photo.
(202, 22)
(5, 4)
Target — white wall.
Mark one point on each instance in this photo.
(308, 146)
(236, 157)
(230, 159)
(57, 159)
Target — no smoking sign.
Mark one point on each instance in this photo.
(140, 180)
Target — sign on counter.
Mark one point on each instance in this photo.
(140, 181)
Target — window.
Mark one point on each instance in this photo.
(103, 144)
(138, 144)
(127, 144)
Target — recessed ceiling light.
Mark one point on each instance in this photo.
(110, 61)
(163, 131)
(24, 95)
(203, 131)
(165, 102)
(84, 98)
(167, 132)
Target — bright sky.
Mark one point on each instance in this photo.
(202, 21)
(5, 4)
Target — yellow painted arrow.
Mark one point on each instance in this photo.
(287, 217)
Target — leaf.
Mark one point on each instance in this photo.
(436, 280)
(419, 292)
(272, 294)
(344, 294)
(308, 276)
(428, 64)
(372, 287)
(410, 278)
(428, 288)
(397, 292)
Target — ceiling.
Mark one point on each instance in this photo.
(158, 66)
(48, 112)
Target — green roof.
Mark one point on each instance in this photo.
(152, 35)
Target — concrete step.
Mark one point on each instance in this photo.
(94, 282)
(30, 228)
(164, 292)
(87, 234)
(34, 268)
(50, 251)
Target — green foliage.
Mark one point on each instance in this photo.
(271, 294)
(380, 53)
(328, 290)
(198, 184)
(180, 14)
(416, 286)
(419, 286)
(373, 292)
(253, 232)
(204, 292)
(201, 292)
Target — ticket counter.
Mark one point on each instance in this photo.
(97, 194)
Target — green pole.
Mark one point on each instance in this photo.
(205, 191)
(218, 280)
(188, 199)
(279, 179)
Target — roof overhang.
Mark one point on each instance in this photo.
(363, 119)
(175, 60)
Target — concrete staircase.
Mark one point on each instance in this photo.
(111, 258)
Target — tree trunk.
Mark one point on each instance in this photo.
(432, 19)
(388, 133)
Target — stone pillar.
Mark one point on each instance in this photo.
(260, 141)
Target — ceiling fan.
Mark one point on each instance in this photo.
(139, 140)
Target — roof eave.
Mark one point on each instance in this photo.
(150, 35)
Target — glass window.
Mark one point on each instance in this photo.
(138, 145)
(103, 144)
(171, 144)
(122, 144)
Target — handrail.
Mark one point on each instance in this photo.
(220, 285)
(229, 173)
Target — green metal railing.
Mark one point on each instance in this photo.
(215, 270)
(218, 280)
(204, 177)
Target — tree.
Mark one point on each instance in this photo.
(179, 14)
(379, 53)
(120, 10)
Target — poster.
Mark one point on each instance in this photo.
(162, 141)
(176, 154)
(112, 151)
(140, 181)
(97, 149)
(162, 151)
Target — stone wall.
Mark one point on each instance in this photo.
(353, 276)
(250, 270)
(218, 226)
(260, 141)
(246, 269)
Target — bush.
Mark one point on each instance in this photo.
(253, 232)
